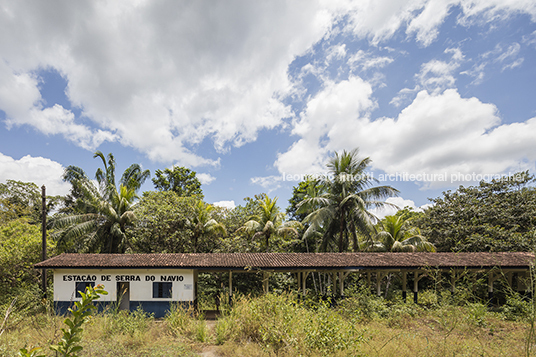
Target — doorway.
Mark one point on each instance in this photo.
(123, 296)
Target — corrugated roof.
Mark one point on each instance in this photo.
(290, 261)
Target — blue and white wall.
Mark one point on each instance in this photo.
(141, 286)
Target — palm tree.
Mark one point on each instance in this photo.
(103, 211)
(396, 236)
(203, 224)
(269, 221)
(345, 204)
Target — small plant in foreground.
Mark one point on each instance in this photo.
(68, 346)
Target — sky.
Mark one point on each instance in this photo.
(254, 95)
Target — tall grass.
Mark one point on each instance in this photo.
(363, 324)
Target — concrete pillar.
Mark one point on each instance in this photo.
(490, 288)
(304, 280)
(341, 283)
(265, 277)
(379, 277)
(333, 283)
(415, 287)
(230, 288)
(404, 285)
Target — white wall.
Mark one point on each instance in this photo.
(142, 290)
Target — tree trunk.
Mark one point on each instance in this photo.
(341, 233)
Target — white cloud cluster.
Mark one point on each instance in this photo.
(205, 179)
(164, 76)
(397, 204)
(225, 204)
(435, 134)
(38, 170)
(158, 76)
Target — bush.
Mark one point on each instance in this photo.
(279, 324)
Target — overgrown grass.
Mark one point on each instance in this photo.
(278, 325)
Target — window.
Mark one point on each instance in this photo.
(162, 290)
(81, 286)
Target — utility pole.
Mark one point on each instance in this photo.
(44, 239)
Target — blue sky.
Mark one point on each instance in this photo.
(246, 92)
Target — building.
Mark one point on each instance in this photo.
(155, 281)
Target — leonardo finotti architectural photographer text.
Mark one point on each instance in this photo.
(406, 176)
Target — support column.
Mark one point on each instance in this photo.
(415, 287)
(491, 279)
(510, 278)
(404, 285)
(368, 280)
(265, 277)
(230, 288)
(304, 286)
(490, 288)
(333, 283)
(341, 284)
(298, 283)
(379, 277)
(453, 281)
(196, 273)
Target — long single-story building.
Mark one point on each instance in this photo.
(154, 281)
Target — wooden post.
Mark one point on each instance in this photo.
(404, 285)
(453, 281)
(230, 288)
(44, 239)
(304, 280)
(368, 280)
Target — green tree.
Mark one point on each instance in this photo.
(23, 199)
(203, 225)
(396, 235)
(164, 224)
(269, 221)
(180, 180)
(343, 209)
(104, 210)
(20, 248)
(494, 216)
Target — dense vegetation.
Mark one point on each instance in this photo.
(331, 213)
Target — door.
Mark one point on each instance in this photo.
(123, 296)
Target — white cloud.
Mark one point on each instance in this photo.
(380, 20)
(38, 170)
(365, 60)
(225, 204)
(161, 76)
(21, 100)
(435, 134)
(400, 203)
(269, 183)
(329, 116)
(205, 179)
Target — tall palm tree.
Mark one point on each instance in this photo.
(344, 207)
(103, 210)
(396, 236)
(269, 221)
(203, 224)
